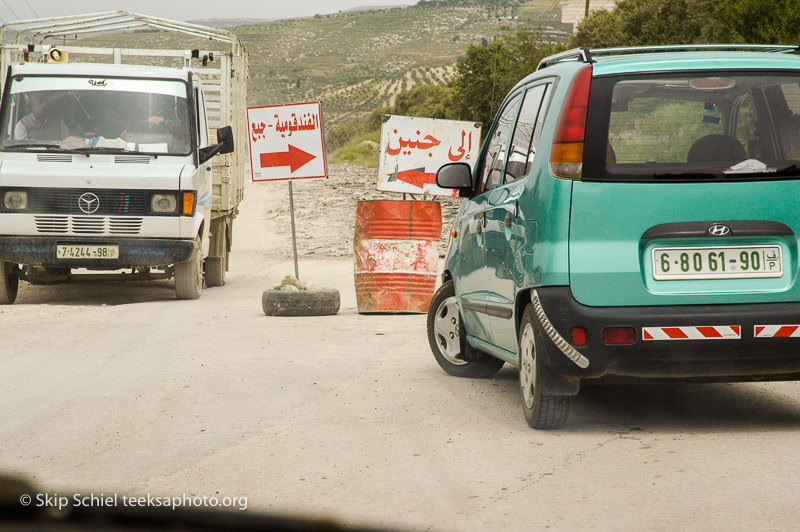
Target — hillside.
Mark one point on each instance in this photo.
(356, 61)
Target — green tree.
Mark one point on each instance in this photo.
(644, 22)
(652, 22)
(487, 73)
(755, 22)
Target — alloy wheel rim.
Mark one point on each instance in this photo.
(527, 364)
(446, 328)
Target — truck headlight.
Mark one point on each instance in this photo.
(15, 200)
(164, 203)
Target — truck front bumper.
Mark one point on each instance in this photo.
(132, 251)
(706, 342)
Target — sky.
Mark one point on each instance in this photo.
(11, 10)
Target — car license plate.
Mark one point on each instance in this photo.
(717, 262)
(78, 251)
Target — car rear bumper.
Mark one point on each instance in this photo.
(715, 342)
(132, 251)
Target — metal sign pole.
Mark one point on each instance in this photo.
(294, 235)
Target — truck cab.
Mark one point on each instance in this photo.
(107, 167)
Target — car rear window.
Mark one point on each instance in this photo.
(692, 126)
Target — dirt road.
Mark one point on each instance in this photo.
(112, 388)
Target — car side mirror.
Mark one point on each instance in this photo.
(454, 175)
(224, 144)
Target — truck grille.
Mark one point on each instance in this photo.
(55, 201)
(88, 225)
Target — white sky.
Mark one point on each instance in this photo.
(186, 10)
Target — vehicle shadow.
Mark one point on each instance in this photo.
(720, 407)
(675, 406)
(95, 293)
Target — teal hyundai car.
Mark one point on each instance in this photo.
(633, 216)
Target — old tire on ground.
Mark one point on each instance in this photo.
(215, 267)
(541, 411)
(447, 339)
(189, 276)
(9, 282)
(319, 302)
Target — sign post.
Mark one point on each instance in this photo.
(286, 143)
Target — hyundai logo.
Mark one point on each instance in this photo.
(719, 230)
(88, 203)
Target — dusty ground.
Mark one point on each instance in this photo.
(112, 388)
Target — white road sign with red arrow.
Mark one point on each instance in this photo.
(286, 142)
(412, 150)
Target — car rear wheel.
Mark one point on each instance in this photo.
(9, 282)
(541, 411)
(447, 339)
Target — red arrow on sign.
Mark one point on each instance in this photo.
(417, 177)
(294, 158)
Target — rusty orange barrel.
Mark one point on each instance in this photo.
(396, 254)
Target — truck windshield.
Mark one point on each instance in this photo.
(719, 125)
(104, 114)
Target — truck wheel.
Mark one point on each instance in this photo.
(541, 411)
(189, 276)
(320, 302)
(448, 339)
(216, 267)
(9, 283)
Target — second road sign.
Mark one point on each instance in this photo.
(286, 142)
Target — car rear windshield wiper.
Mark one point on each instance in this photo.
(685, 175)
(788, 170)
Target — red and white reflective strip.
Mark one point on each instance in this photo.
(776, 331)
(711, 332)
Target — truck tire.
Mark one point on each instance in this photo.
(448, 340)
(541, 411)
(189, 276)
(9, 282)
(216, 267)
(320, 302)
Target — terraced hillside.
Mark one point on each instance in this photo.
(357, 61)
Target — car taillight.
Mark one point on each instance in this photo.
(566, 152)
(619, 335)
(578, 336)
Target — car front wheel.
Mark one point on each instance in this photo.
(447, 339)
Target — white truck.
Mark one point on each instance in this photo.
(106, 153)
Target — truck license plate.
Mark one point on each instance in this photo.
(78, 251)
(717, 262)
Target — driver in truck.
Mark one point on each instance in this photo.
(41, 123)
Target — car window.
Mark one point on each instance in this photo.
(497, 146)
(523, 143)
(731, 125)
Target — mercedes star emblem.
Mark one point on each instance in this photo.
(88, 203)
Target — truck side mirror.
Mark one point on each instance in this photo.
(224, 144)
(225, 137)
